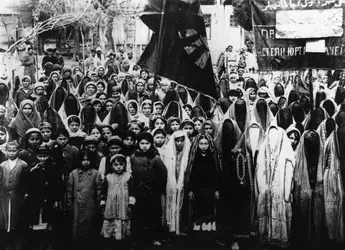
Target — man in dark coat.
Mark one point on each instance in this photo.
(50, 57)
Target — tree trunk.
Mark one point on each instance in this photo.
(83, 40)
(76, 43)
(109, 34)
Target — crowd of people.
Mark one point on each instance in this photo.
(104, 155)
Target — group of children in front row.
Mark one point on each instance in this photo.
(52, 192)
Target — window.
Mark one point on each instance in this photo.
(233, 21)
(207, 20)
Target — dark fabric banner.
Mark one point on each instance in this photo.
(284, 30)
(185, 56)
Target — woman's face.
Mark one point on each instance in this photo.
(116, 95)
(121, 78)
(144, 145)
(45, 84)
(174, 126)
(140, 87)
(131, 109)
(281, 102)
(159, 124)
(95, 132)
(3, 137)
(159, 109)
(39, 91)
(67, 73)
(94, 77)
(188, 110)
(97, 107)
(147, 110)
(74, 126)
(106, 133)
(204, 145)
(34, 140)
(144, 75)
(197, 126)
(100, 88)
(27, 110)
(294, 140)
(252, 95)
(135, 129)
(90, 90)
(46, 134)
(55, 77)
(109, 106)
(101, 72)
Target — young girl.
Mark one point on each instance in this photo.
(83, 201)
(76, 134)
(117, 200)
(33, 140)
(128, 143)
(46, 131)
(202, 182)
(136, 127)
(96, 132)
(26, 118)
(173, 124)
(158, 122)
(150, 177)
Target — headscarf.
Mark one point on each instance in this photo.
(340, 95)
(279, 90)
(152, 152)
(21, 122)
(211, 123)
(197, 112)
(88, 117)
(3, 146)
(330, 106)
(70, 106)
(171, 96)
(262, 114)
(240, 112)
(4, 94)
(184, 95)
(293, 97)
(274, 108)
(204, 102)
(79, 133)
(58, 98)
(284, 118)
(119, 115)
(174, 109)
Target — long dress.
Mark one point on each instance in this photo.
(274, 173)
(176, 163)
(117, 193)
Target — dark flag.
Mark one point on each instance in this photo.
(185, 56)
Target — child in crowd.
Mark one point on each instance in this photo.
(12, 197)
(117, 201)
(33, 139)
(24, 92)
(46, 132)
(83, 202)
(77, 136)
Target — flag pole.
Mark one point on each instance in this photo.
(159, 52)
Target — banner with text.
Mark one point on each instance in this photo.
(283, 28)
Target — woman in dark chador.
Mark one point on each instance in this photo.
(202, 183)
(239, 111)
(227, 137)
(333, 179)
(284, 118)
(307, 220)
(242, 195)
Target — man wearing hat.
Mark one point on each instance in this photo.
(112, 62)
(100, 55)
(92, 62)
(50, 57)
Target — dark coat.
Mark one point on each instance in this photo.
(44, 187)
(83, 201)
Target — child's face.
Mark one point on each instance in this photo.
(116, 95)
(114, 149)
(34, 140)
(147, 110)
(174, 126)
(27, 110)
(95, 132)
(135, 129)
(55, 77)
(131, 109)
(188, 110)
(144, 75)
(140, 87)
(62, 141)
(100, 88)
(26, 83)
(144, 145)
(2, 112)
(233, 98)
(102, 98)
(85, 162)
(42, 158)
(91, 147)
(106, 133)
(97, 107)
(197, 126)
(46, 134)
(101, 71)
(179, 143)
(159, 109)
(203, 145)
(189, 129)
(94, 77)
(109, 106)
(74, 126)
(39, 91)
(3, 137)
(12, 152)
(118, 167)
(159, 124)
(159, 140)
(252, 95)
(128, 141)
(208, 129)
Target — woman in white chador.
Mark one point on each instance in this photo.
(176, 160)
